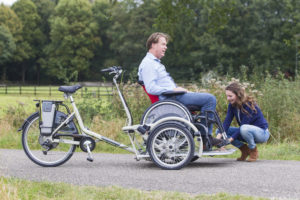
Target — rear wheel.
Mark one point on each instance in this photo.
(40, 149)
(166, 108)
(171, 146)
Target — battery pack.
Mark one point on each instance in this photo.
(48, 112)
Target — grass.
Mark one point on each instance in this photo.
(13, 189)
(274, 151)
(52, 90)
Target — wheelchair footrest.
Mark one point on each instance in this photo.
(218, 152)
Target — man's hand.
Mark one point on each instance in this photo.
(180, 89)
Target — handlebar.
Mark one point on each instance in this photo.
(114, 69)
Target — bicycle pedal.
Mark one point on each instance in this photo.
(90, 159)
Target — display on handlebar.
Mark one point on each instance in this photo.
(112, 69)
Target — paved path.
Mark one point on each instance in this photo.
(265, 178)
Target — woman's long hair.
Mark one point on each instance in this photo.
(242, 98)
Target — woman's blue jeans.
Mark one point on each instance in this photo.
(249, 134)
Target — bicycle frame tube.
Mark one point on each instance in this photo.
(129, 117)
(96, 135)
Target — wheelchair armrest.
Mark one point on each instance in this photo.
(171, 92)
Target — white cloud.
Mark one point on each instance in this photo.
(7, 2)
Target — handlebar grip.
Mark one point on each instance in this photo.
(107, 69)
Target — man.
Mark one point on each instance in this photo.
(157, 80)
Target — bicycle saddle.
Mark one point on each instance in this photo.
(69, 89)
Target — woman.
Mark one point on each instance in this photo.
(253, 126)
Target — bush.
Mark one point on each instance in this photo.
(137, 101)
(16, 114)
(89, 107)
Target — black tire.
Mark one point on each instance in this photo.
(194, 158)
(171, 146)
(32, 140)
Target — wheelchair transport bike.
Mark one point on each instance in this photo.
(169, 134)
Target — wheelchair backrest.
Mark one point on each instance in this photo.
(153, 98)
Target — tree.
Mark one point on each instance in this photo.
(102, 52)
(132, 23)
(45, 9)
(7, 48)
(225, 35)
(31, 33)
(11, 24)
(73, 39)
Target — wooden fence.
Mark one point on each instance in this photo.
(90, 91)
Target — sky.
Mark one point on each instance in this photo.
(7, 2)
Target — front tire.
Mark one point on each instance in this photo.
(34, 146)
(171, 146)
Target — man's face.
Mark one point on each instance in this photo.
(158, 49)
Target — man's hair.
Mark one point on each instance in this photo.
(154, 37)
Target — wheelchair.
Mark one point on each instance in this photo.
(172, 108)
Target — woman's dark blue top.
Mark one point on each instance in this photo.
(252, 118)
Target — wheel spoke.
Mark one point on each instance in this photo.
(41, 150)
(172, 147)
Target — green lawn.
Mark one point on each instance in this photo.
(51, 91)
(13, 189)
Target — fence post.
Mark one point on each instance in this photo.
(34, 90)
(98, 91)
(20, 89)
(50, 91)
(5, 89)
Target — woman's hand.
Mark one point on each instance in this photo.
(219, 136)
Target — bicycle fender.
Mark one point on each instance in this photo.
(28, 119)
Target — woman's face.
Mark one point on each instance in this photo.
(231, 97)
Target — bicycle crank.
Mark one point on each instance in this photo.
(87, 145)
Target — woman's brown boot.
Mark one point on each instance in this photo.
(245, 153)
(253, 155)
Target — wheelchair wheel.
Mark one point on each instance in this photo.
(166, 108)
(171, 146)
(40, 150)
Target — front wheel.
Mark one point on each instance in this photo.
(40, 149)
(171, 146)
